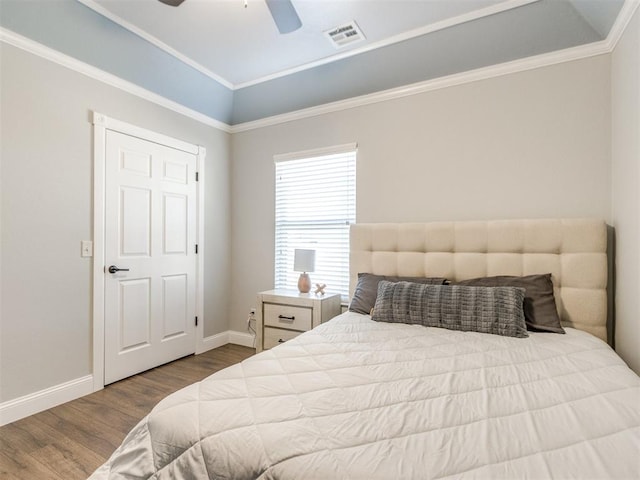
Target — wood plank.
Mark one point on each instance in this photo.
(99, 437)
(70, 463)
(19, 437)
(63, 455)
(94, 406)
(20, 466)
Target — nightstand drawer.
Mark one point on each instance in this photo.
(287, 316)
(284, 314)
(276, 336)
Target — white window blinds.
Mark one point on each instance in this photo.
(315, 204)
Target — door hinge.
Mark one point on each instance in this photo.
(196, 321)
(196, 248)
(197, 177)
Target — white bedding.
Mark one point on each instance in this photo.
(364, 400)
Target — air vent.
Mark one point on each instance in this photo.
(345, 35)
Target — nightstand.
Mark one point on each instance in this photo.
(285, 314)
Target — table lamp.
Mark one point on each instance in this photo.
(304, 261)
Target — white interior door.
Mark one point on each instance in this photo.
(150, 235)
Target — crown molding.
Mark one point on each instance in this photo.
(484, 73)
(619, 26)
(440, 25)
(35, 48)
(417, 32)
(547, 59)
(155, 41)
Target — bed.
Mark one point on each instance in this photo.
(356, 398)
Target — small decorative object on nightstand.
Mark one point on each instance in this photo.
(304, 261)
(320, 288)
(285, 314)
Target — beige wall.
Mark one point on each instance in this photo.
(625, 107)
(46, 202)
(531, 144)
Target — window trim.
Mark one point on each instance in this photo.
(316, 152)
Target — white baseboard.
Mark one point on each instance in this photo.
(213, 341)
(230, 336)
(242, 338)
(33, 403)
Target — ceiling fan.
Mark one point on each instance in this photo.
(283, 12)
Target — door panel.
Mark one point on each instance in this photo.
(135, 314)
(175, 224)
(150, 229)
(175, 301)
(175, 172)
(137, 163)
(135, 221)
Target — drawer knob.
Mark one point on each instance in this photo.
(284, 317)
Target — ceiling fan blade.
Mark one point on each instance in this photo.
(173, 3)
(284, 14)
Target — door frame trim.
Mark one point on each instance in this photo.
(102, 123)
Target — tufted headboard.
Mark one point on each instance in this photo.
(574, 251)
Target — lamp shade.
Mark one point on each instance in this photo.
(304, 260)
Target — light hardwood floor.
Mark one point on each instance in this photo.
(70, 441)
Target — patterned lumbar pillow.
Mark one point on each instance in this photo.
(540, 313)
(496, 310)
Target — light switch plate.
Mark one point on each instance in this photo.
(86, 248)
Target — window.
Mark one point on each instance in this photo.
(315, 204)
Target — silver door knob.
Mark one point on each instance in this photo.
(114, 269)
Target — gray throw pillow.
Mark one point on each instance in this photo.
(496, 310)
(540, 310)
(366, 291)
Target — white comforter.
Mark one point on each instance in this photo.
(364, 400)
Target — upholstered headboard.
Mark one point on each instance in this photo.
(574, 251)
